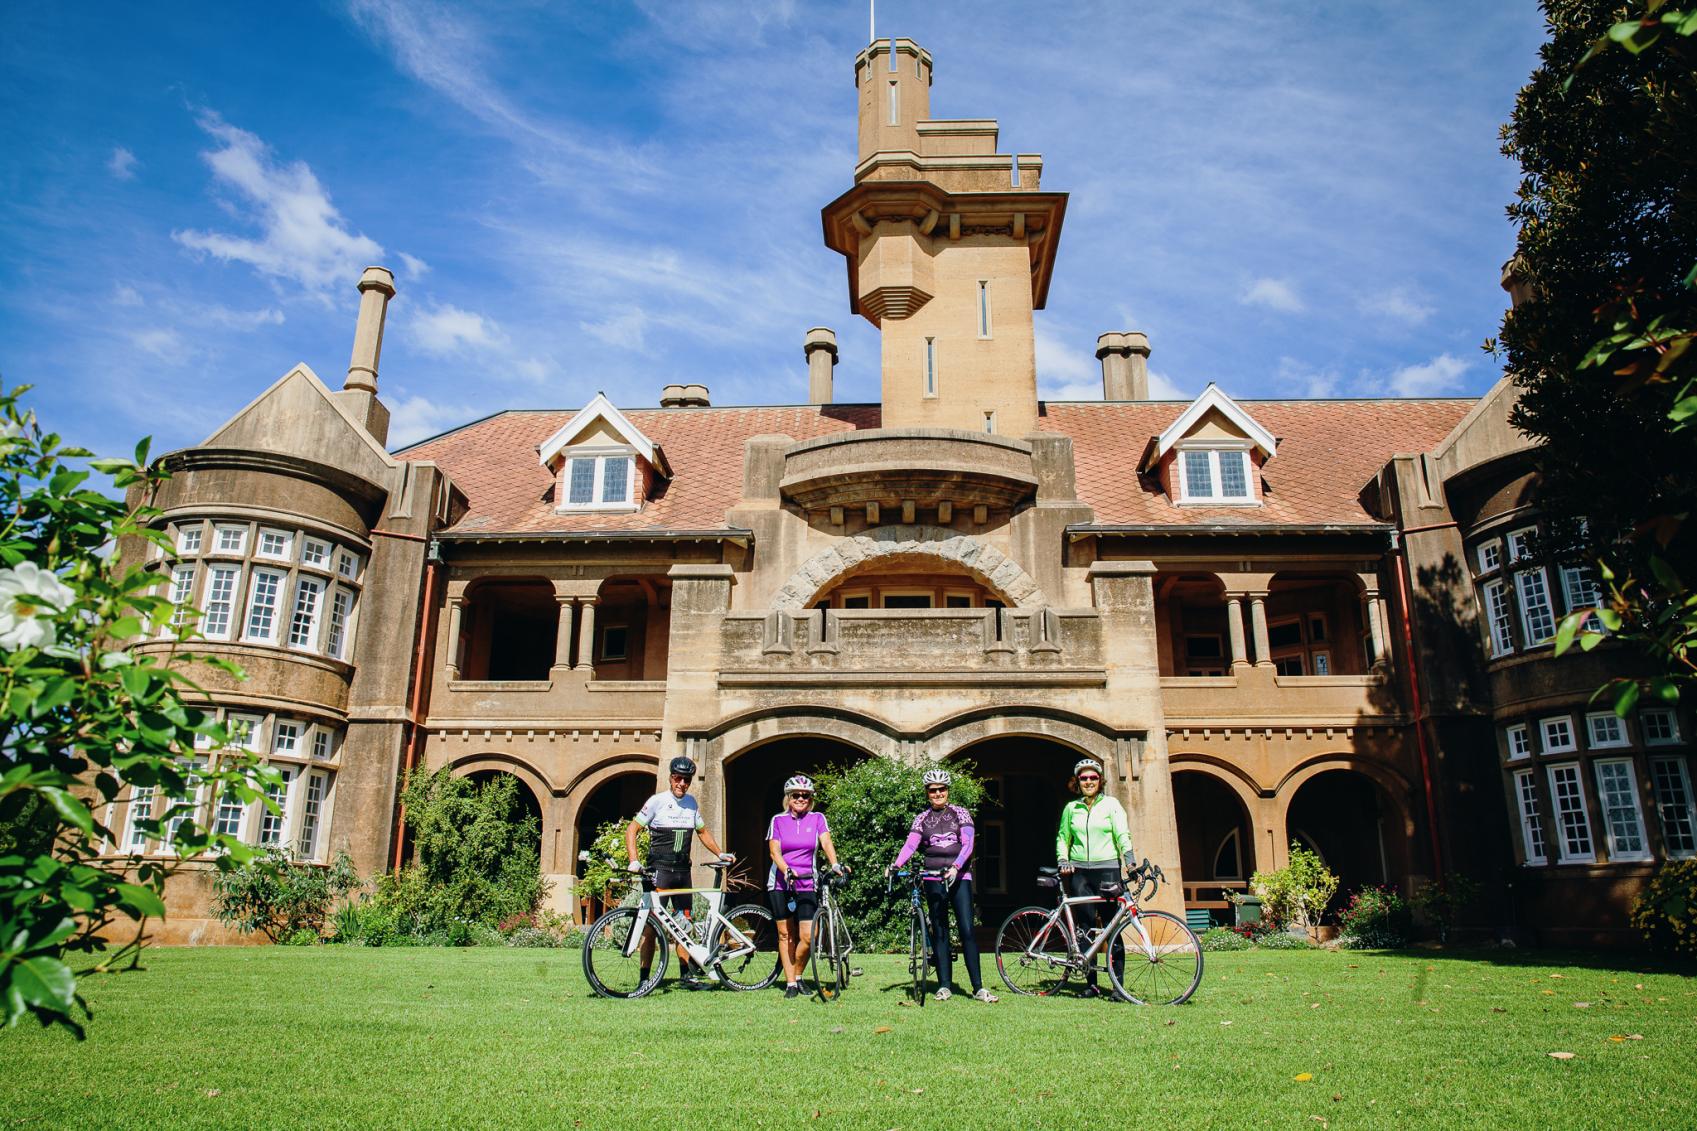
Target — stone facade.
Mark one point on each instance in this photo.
(1264, 618)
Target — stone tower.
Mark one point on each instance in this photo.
(950, 247)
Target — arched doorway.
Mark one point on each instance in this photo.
(1356, 828)
(754, 789)
(1215, 838)
(1025, 785)
(617, 799)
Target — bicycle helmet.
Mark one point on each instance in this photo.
(936, 777)
(1087, 764)
(683, 765)
(800, 783)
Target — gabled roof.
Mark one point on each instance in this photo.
(1214, 399)
(601, 409)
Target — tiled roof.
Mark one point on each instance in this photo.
(1328, 450)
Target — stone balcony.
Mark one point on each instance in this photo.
(918, 467)
(1258, 696)
(904, 648)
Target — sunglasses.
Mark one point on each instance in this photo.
(802, 796)
(682, 777)
(1089, 777)
(936, 789)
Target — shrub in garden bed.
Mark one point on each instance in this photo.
(1374, 918)
(1224, 938)
(1283, 940)
(1666, 910)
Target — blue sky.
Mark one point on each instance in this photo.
(1290, 199)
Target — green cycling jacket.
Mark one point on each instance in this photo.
(1095, 833)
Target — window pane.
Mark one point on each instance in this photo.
(141, 809)
(312, 806)
(1615, 789)
(315, 553)
(1532, 833)
(220, 597)
(182, 591)
(271, 825)
(262, 605)
(341, 608)
(1673, 806)
(1497, 608)
(615, 480)
(1198, 476)
(1575, 827)
(581, 489)
(1540, 619)
(1234, 477)
(304, 621)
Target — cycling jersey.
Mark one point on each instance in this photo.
(798, 841)
(671, 823)
(945, 835)
(1095, 833)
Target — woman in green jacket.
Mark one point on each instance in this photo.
(1094, 837)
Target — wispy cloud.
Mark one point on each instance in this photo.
(414, 267)
(122, 164)
(446, 329)
(1397, 304)
(413, 418)
(622, 329)
(1429, 379)
(1274, 294)
(160, 342)
(302, 238)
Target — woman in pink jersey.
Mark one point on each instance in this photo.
(793, 839)
(942, 835)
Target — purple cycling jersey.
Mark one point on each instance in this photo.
(798, 840)
(943, 837)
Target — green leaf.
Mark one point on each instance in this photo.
(55, 694)
(1569, 625)
(1665, 575)
(1590, 640)
(1626, 698)
(143, 901)
(45, 983)
(70, 810)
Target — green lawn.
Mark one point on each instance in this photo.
(330, 1036)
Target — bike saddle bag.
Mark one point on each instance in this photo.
(1110, 888)
(1048, 881)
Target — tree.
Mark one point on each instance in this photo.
(1606, 135)
(95, 705)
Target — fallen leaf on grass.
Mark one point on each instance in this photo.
(1551, 993)
(1618, 1039)
(1635, 1036)
(1320, 1119)
(1558, 975)
(1562, 1055)
(918, 1091)
(1303, 1077)
(815, 1115)
(1314, 1005)
(214, 1092)
(1225, 1022)
(1582, 1005)
(836, 1028)
(1044, 1095)
(1498, 1009)
(1170, 1021)
(1337, 1097)
(883, 1029)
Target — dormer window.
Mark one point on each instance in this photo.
(1215, 475)
(601, 461)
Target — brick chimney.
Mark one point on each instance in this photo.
(820, 346)
(684, 396)
(359, 391)
(1125, 365)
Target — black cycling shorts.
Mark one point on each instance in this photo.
(806, 904)
(671, 876)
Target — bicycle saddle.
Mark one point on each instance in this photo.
(721, 864)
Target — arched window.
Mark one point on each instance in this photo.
(1228, 858)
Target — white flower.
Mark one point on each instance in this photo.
(29, 598)
(10, 430)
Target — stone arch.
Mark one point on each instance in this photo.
(989, 565)
(542, 796)
(1233, 777)
(738, 735)
(951, 736)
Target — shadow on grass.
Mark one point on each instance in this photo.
(1637, 962)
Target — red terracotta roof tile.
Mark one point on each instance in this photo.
(1328, 450)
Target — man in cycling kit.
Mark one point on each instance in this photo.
(673, 820)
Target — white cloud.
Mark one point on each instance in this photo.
(1440, 375)
(1274, 294)
(303, 238)
(623, 329)
(1164, 388)
(163, 343)
(414, 418)
(1397, 304)
(415, 267)
(1297, 378)
(125, 295)
(447, 329)
(122, 164)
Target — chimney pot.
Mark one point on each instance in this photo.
(820, 348)
(1125, 365)
(376, 288)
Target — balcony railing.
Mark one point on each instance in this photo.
(1257, 696)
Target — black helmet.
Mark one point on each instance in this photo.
(683, 765)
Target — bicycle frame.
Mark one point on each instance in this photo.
(1127, 908)
(682, 931)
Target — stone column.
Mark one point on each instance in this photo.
(456, 611)
(1258, 624)
(563, 635)
(1376, 628)
(1234, 623)
(586, 635)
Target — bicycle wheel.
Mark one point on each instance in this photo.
(1030, 954)
(748, 948)
(830, 970)
(1167, 970)
(612, 960)
(918, 953)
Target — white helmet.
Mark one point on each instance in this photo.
(1087, 764)
(936, 777)
(799, 782)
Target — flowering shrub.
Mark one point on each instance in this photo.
(1297, 893)
(1224, 938)
(282, 897)
(1666, 910)
(1374, 917)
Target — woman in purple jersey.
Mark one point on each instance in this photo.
(942, 834)
(793, 838)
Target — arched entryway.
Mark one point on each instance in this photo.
(1025, 784)
(525, 801)
(754, 789)
(1355, 826)
(1216, 842)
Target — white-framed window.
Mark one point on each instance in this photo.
(930, 367)
(1604, 729)
(303, 621)
(278, 545)
(1573, 826)
(1490, 556)
(1623, 821)
(272, 824)
(1579, 587)
(600, 481)
(227, 816)
(244, 730)
(1520, 544)
(1215, 475)
(315, 552)
(1500, 616)
(1322, 662)
(189, 536)
(1674, 805)
(286, 738)
(1659, 726)
(183, 809)
(1557, 734)
(230, 539)
(341, 619)
(1519, 742)
(141, 809)
(348, 564)
(1531, 829)
(265, 592)
(983, 308)
(1536, 615)
(313, 794)
(182, 594)
(220, 600)
(323, 743)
